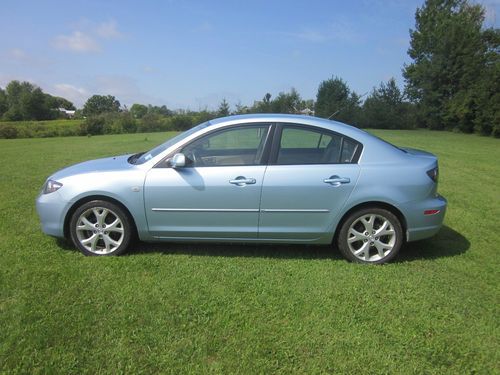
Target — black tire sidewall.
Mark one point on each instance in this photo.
(127, 228)
(342, 237)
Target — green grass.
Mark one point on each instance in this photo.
(174, 308)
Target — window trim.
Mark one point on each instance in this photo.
(263, 160)
(278, 132)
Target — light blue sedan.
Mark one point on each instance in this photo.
(253, 178)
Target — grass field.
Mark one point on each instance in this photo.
(251, 309)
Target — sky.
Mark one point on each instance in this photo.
(192, 54)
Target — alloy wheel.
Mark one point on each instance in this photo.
(100, 230)
(371, 237)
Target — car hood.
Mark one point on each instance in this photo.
(115, 163)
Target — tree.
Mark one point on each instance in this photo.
(286, 102)
(487, 119)
(241, 109)
(138, 110)
(98, 104)
(385, 108)
(56, 102)
(448, 53)
(3, 102)
(263, 106)
(223, 109)
(163, 110)
(26, 101)
(335, 100)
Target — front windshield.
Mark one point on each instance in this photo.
(160, 148)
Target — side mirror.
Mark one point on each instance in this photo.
(178, 160)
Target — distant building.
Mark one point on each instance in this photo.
(67, 112)
(307, 112)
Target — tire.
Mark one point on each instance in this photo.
(370, 235)
(100, 228)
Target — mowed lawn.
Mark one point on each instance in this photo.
(198, 308)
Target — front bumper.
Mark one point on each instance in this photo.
(420, 226)
(51, 209)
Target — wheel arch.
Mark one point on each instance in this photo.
(372, 204)
(90, 198)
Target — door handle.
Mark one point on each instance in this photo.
(336, 180)
(242, 181)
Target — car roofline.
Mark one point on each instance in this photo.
(335, 126)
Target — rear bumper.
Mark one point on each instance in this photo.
(421, 226)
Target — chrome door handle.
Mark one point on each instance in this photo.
(336, 180)
(242, 181)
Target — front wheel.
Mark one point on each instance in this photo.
(100, 228)
(370, 235)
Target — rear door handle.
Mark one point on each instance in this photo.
(242, 181)
(336, 180)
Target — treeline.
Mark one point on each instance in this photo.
(385, 108)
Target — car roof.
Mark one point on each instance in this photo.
(336, 126)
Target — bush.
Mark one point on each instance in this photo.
(109, 123)
(92, 125)
(127, 122)
(496, 130)
(181, 122)
(202, 116)
(8, 131)
(153, 122)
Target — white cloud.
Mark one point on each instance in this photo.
(6, 78)
(17, 54)
(340, 31)
(77, 95)
(108, 30)
(76, 42)
(88, 36)
(124, 88)
(313, 36)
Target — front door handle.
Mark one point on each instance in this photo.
(242, 181)
(336, 180)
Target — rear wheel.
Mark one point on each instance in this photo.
(370, 235)
(100, 228)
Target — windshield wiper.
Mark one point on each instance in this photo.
(134, 157)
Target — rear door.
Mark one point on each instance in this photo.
(312, 172)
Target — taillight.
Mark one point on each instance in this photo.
(431, 212)
(433, 174)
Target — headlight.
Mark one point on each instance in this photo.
(51, 186)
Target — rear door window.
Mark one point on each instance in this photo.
(309, 145)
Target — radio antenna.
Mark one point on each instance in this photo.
(341, 108)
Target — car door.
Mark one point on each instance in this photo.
(312, 172)
(217, 194)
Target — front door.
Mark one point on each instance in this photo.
(217, 195)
